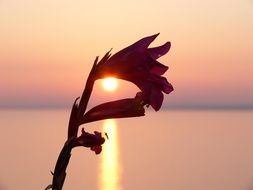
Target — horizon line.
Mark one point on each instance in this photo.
(165, 107)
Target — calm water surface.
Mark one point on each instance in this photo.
(179, 150)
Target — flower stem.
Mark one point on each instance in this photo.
(61, 165)
(76, 115)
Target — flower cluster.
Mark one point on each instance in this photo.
(136, 63)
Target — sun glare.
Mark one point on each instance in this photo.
(110, 84)
(110, 165)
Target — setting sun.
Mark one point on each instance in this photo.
(110, 84)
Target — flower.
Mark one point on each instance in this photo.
(138, 64)
(94, 141)
(129, 107)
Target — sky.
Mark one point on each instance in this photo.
(47, 49)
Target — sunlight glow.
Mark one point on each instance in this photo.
(110, 165)
(110, 84)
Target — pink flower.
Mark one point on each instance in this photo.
(138, 64)
(129, 107)
(94, 141)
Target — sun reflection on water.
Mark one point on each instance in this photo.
(110, 165)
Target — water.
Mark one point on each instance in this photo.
(179, 150)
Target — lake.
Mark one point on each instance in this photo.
(175, 149)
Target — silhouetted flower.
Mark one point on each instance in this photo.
(94, 141)
(137, 63)
(129, 107)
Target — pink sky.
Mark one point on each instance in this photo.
(47, 48)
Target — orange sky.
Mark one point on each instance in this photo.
(47, 48)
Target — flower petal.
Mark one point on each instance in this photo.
(158, 68)
(166, 86)
(161, 83)
(143, 43)
(131, 52)
(96, 149)
(159, 51)
(156, 99)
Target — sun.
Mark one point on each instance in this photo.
(110, 84)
